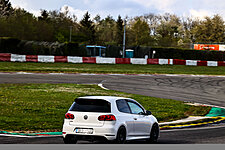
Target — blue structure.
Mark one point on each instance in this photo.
(96, 51)
(129, 53)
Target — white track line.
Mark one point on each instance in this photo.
(26, 136)
(93, 74)
(101, 85)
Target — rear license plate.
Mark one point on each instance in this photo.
(86, 131)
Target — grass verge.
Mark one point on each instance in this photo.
(109, 68)
(41, 107)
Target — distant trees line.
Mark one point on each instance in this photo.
(167, 30)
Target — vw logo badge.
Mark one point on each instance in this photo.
(85, 117)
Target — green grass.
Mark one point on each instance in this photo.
(102, 68)
(41, 107)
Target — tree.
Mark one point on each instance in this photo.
(22, 25)
(153, 22)
(44, 16)
(188, 25)
(210, 30)
(140, 29)
(218, 31)
(119, 31)
(5, 8)
(97, 19)
(87, 28)
(169, 30)
(61, 23)
(106, 31)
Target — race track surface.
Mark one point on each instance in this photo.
(200, 89)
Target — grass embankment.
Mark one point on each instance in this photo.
(41, 107)
(102, 68)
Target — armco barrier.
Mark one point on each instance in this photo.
(101, 60)
(179, 62)
(31, 58)
(61, 59)
(202, 63)
(89, 60)
(122, 60)
(153, 61)
(221, 63)
(5, 57)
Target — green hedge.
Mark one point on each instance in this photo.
(169, 53)
(8, 44)
(178, 53)
(12, 45)
(188, 54)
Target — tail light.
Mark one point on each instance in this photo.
(69, 116)
(107, 118)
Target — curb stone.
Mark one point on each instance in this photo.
(212, 120)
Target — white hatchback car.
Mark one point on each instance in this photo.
(112, 118)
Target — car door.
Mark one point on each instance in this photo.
(142, 123)
(126, 116)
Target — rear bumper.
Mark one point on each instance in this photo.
(105, 132)
(89, 137)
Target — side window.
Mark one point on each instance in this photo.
(135, 109)
(122, 106)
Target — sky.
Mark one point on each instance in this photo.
(131, 8)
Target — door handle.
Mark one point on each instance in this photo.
(135, 118)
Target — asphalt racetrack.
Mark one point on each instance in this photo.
(200, 89)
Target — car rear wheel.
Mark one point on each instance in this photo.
(121, 135)
(154, 134)
(69, 139)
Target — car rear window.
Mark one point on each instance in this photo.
(91, 105)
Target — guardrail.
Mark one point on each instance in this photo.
(100, 60)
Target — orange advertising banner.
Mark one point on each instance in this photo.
(206, 47)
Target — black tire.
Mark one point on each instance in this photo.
(121, 135)
(154, 134)
(69, 139)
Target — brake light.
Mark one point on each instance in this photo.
(107, 118)
(69, 116)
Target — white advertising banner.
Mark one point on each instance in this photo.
(191, 62)
(18, 58)
(75, 60)
(138, 61)
(46, 59)
(212, 63)
(163, 61)
(100, 60)
(222, 47)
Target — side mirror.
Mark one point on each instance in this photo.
(148, 112)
